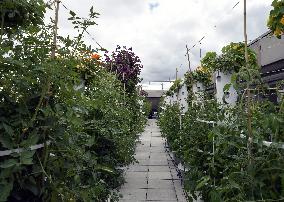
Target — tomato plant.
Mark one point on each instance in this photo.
(224, 162)
(72, 106)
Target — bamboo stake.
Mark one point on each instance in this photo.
(187, 53)
(249, 125)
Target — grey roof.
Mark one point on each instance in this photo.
(155, 93)
(260, 37)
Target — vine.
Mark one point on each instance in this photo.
(276, 18)
(174, 88)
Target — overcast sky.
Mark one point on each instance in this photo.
(158, 30)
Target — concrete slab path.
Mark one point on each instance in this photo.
(154, 178)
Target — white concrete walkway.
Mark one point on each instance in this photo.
(154, 178)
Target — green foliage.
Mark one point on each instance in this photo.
(169, 124)
(276, 18)
(174, 88)
(72, 102)
(209, 61)
(18, 14)
(231, 60)
(202, 75)
(229, 174)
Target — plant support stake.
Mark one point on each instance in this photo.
(250, 139)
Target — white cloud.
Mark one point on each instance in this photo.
(159, 35)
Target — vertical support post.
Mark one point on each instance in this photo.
(250, 139)
(213, 148)
(176, 73)
(53, 53)
(124, 87)
(188, 59)
(245, 32)
(178, 101)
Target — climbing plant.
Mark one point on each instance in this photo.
(276, 18)
(202, 75)
(175, 87)
(231, 60)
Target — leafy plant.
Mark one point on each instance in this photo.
(72, 106)
(17, 14)
(226, 148)
(202, 75)
(175, 87)
(209, 61)
(231, 60)
(126, 65)
(276, 18)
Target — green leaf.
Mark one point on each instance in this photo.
(105, 169)
(8, 129)
(27, 157)
(202, 182)
(5, 191)
(72, 13)
(8, 163)
(215, 196)
(6, 141)
(227, 87)
(32, 140)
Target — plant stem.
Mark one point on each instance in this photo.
(250, 135)
(53, 55)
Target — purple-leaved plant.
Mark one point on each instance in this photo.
(126, 65)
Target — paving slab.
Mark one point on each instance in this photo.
(134, 194)
(154, 176)
(137, 169)
(159, 175)
(158, 168)
(160, 184)
(161, 194)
